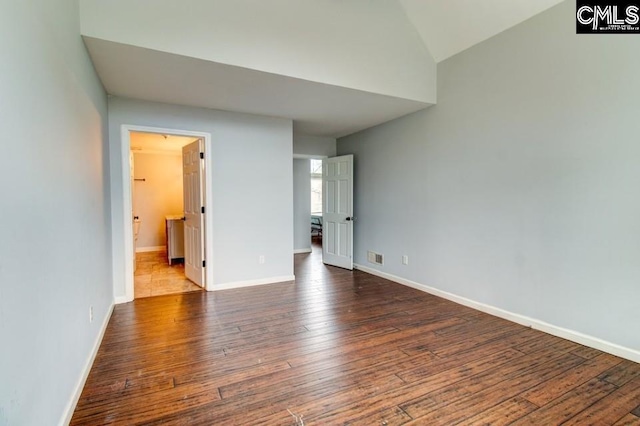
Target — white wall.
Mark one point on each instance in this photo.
(360, 44)
(159, 195)
(314, 146)
(250, 165)
(54, 212)
(301, 204)
(519, 189)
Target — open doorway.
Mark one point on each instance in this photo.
(323, 208)
(316, 204)
(157, 195)
(307, 204)
(170, 228)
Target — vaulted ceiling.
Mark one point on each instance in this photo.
(451, 26)
(333, 67)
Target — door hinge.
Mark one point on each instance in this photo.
(202, 209)
(202, 155)
(204, 263)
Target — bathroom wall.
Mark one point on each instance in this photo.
(158, 196)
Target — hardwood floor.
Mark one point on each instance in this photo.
(340, 347)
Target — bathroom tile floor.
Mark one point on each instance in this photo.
(154, 276)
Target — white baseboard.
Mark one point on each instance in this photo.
(121, 299)
(564, 333)
(250, 283)
(149, 249)
(71, 405)
(300, 251)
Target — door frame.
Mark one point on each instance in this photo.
(127, 206)
(311, 157)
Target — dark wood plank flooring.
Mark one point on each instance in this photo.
(339, 347)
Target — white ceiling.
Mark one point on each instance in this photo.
(317, 109)
(446, 27)
(451, 26)
(153, 142)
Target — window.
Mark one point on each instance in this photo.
(316, 187)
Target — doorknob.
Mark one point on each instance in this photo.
(351, 218)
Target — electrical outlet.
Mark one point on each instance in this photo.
(90, 313)
(261, 259)
(405, 260)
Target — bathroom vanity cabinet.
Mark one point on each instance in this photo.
(175, 238)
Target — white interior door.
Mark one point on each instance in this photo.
(192, 174)
(337, 213)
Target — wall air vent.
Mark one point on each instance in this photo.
(373, 257)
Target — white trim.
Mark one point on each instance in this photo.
(127, 209)
(121, 299)
(71, 405)
(309, 157)
(574, 336)
(304, 250)
(125, 146)
(156, 152)
(251, 283)
(149, 249)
